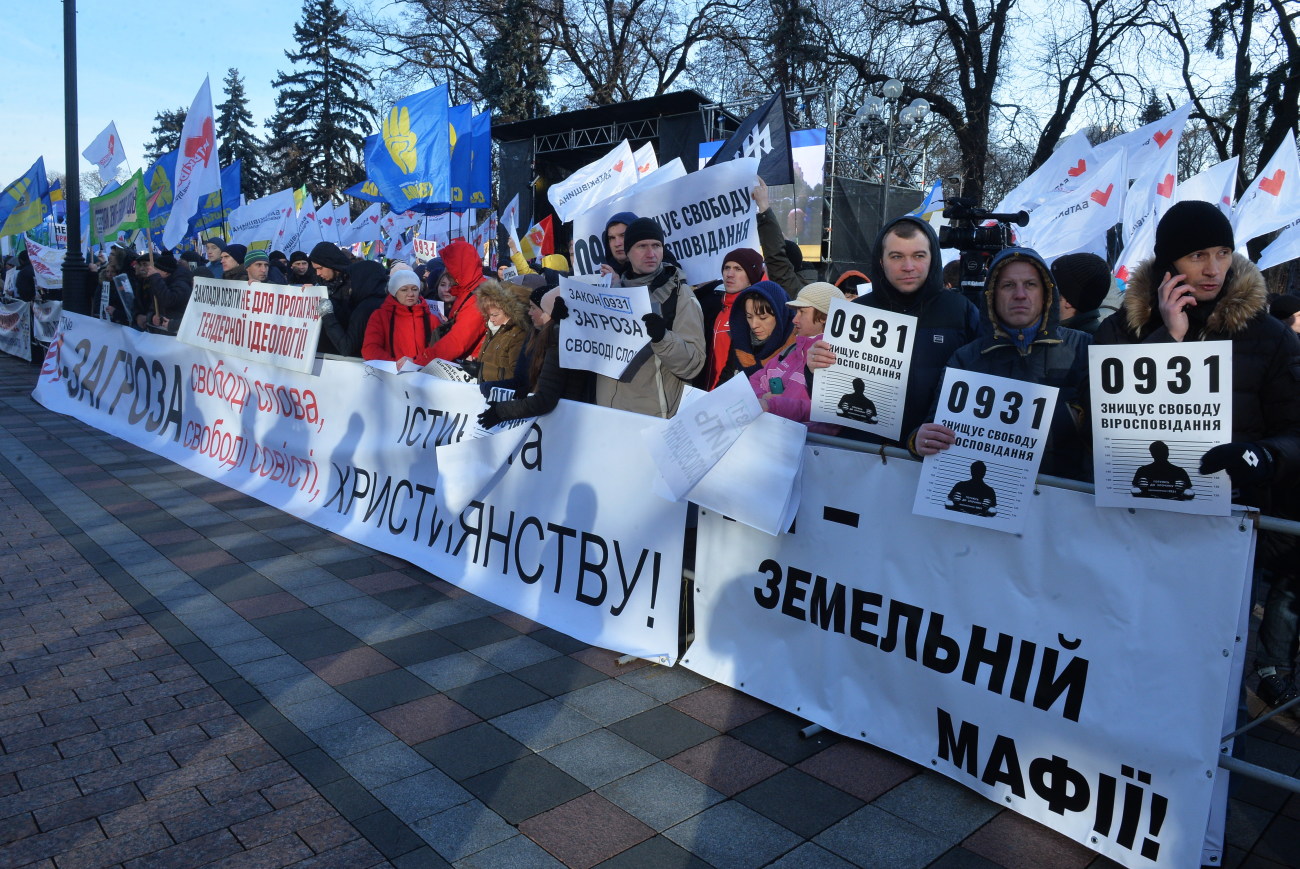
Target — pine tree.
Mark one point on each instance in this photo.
(166, 132)
(514, 79)
(235, 133)
(320, 121)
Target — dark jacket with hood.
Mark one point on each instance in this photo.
(1265, 357)
(1045, 353)
(945, 322)
(369, 283)
(464, 327)
(745, 356)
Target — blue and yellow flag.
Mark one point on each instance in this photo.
(410, 159)
(158, 180)
(459, 122)
(367, 189)
(215, 207)
(480, 171)
(22, 205)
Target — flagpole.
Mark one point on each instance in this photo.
(75, 297)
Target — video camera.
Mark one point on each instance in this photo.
(977, 243)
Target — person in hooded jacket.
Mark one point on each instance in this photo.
(615, 262)
(369, 284)
(463, 327)
(1195, 288)
(907, 278)
(504, 307)
(331, 268)
(401, 330)
(1023, 340)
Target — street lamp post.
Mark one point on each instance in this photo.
(883, 109)
(75, 297)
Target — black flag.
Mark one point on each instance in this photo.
(764, 135)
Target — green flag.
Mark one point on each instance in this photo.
(124, 208)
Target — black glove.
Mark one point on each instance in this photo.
(655, 327)
(560, 311)
(1247, 464)
(491, 417)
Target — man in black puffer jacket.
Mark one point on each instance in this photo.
(1196, 289)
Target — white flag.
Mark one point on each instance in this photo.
(1284, 248)
(646, 160)
(1146, 202)
(47, 264)
(510, 218)
(261, 219)
(1060, 224)
(1060, 172)
(597, 181)
(365, 226)
(1218, 184)
(1145, 145)
(106, 152)
(396, 222)
(1271, 201)
(197, 172)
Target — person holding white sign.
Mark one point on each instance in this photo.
(1195, 288)
(1025, 341)
(654, 384)
(907, 278)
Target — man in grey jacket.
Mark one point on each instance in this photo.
(654, 381)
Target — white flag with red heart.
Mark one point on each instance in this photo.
(595, 182)
(646, 160)
(365, 226)
(1069, 219)
(1147, 145)
(1217, 184)
(1273, 199)
(1060, 172)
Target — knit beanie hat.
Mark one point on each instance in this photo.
(254, 256)
(547, 303)
(402, 278)
(1083, 279)
(1189, 226)
(165, 262)
(642, 229)
(298, 257)
(330, 256)
(748, 259)
(237, 252)
(217, 240)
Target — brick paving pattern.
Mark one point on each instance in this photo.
(191, 678)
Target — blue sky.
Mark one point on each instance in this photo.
(130, 68)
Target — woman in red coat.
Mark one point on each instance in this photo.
(402, 329)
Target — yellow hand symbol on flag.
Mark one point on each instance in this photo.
(399, 140)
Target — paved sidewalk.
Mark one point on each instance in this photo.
(191, 678)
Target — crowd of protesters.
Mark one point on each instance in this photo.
(762, 318)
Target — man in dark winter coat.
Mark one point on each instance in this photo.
(369, 284)
(300, 271)
(1196, 289)
(167, 293)
(907, 278)
(331, 267)
(1023, 340)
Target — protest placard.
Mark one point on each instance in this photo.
(269, 323)
(1156, 409)
(603, 332)
(687, 446)
(867, 385)
(986, 477)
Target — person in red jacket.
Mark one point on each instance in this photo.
(402, 329)
(465, 328)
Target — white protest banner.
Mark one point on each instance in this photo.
(1083, 213)
(600, 179)
(685, 447)
(47, 264)
(1217, 184)
(1271, 201)
(603, 332)
(589, 226)
(425, 248)
(353, 451)
(468, 467)
(866, 387)
(704, 216)
(16, 329)
(1003, 662)
(986, 478)
(1282, 249)
(1060, 172)
(1148, 144)
(46, 317)
(106, 152)
(269, 323)
(646, 160)
(1156, 409)
(262, 219)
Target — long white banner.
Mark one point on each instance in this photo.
(16, 329)
(563, 537)
(1077, 674)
